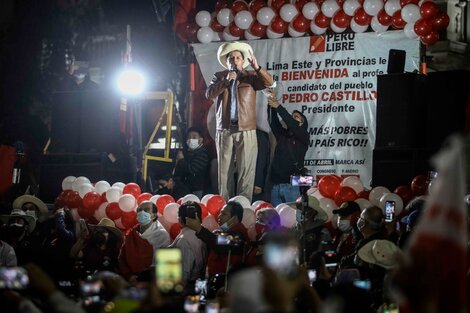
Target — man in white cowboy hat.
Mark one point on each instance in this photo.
(234, 90)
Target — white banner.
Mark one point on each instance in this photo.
(332, 79)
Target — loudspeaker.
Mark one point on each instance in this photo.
(396, 61)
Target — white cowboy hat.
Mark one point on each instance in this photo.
(22, 200)
(383, 253)
(28, 216)
(313, 203)
(109, 225)
(228, 47)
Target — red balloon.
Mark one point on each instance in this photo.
(341, 19)
(216, 26)
(204, 211)
(277, 4)
(234, 30)
(419, 185)
(428, 9)
(319, 2)
(132, 189)
(162, 201)
(103, 197)
(255, 5)
(215, 204)
(340, 2)
(85, 213)
(278, 25)
(397, 20)
(300, 4)
(60, 202)
(361, 17)
(300, 23)
(405, 2)
(328, 185)
(364, 194)
(221, 4)
(179, 201)
(257, 29)
(113, 211)
(128, 219)
(92, 200)
(263, 205)
(440, 22)
(143, 197)
(344, 194)
(361, 2)
(405, 193)
(384, 18)
(238, 6)
(321, 20)
(190, 31)
(423, 27)
(430, 38)
(74, 200)
(174, 230)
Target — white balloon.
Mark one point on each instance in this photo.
(190, 197)
(205, 198)
(363, 203)
(154, 199)
(272, 34)
(127, 203)
(392, 197)
(227, 36)
(358, 28)
(245, 203)
(377, 193)
(350, 7)
(249, 217)
(410, 13)
(170, 212)
(317, 30)
(84, 189)
(328, 205)
(372, 7)
(255, 204)
(203, 18)
(265, 15)
(329, 8)
(218, 36)
(354, 182)
(224, 17)
(288, 12)
(79, 181)
(280, 206)
(376, 26)
(67, 183)
(423, 1)
(113, 194)
(409, 31)
(101, 211)
(250, 36)
(292, 32)
(102, 186)
(205, 34)
(119, 185)
(287, 215)
(335, 28)
(243, 19)
(391, 6)
(310, 10)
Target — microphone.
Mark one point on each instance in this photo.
(233, 68)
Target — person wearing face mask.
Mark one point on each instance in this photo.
(192, 167)
(138, 250)
(347, 233)
(230, 221)
(291, 146)
(16, 232)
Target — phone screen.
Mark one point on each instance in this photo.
(389, 211)
(13, 278)
(212, 307)
(91, 292)
(312, 276)
(168, 270)
(282, 257)
(301, 181)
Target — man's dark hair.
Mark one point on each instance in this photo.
(236, 209)
(196, 130)
(305, 123)
(189, 209)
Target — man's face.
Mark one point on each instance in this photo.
(235, 58)
(224, 215)
(298, 117)
(195, 135)
(145, 206)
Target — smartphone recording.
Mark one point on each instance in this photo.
(282, 256)
(13, 278)
(169, 270)
(389, 211)
(301, 181)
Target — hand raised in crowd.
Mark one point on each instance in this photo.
(253, 61)
(194, 223)
(272, 100)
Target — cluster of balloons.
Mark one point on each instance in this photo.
(277, 18)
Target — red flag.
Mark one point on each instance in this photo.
(437, 251)
(184, 9)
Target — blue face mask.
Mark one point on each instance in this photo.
(144, 218)
(225, 227)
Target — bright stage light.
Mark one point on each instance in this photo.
(131, 82)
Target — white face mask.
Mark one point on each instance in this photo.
(344, 225)
(193, 144)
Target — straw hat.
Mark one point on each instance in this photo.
(313, 203)
(228, 47)
(383, 253)
(22, 200)
(109, 225)
(28, 216)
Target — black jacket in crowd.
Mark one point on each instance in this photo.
(291, 147)
(193, 170)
